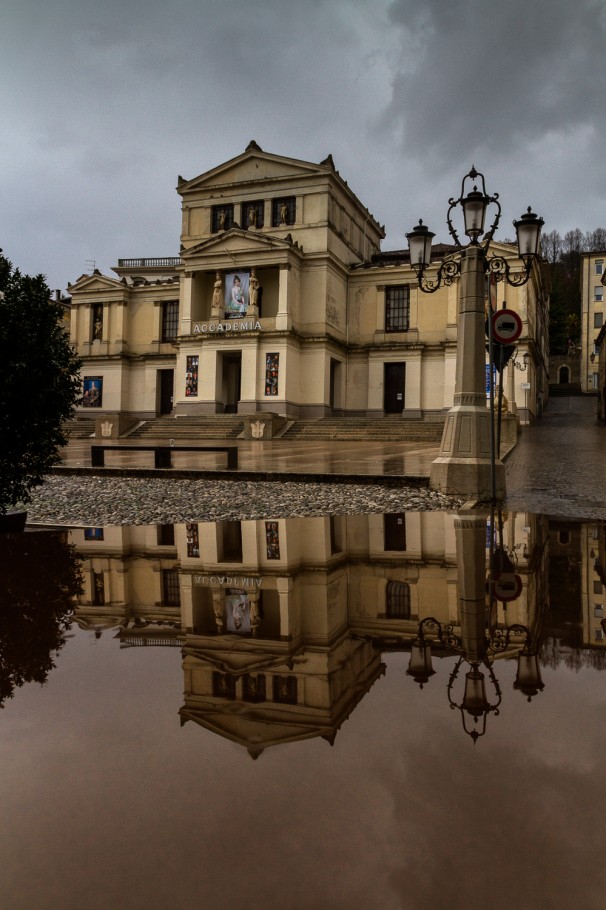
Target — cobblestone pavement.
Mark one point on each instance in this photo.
(558, 467)
(92, 500)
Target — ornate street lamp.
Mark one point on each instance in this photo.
(475, 704)
(466, 465)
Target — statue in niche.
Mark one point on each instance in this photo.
(253, 295)
(217, 303)
(222, 220)
(252, 216)
(98, 330)
(283, 213)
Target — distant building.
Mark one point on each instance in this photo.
(592, 317)
(281, 301)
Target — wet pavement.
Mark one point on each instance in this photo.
(280, 456)
(558, 467)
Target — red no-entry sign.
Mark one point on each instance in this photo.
(506, 326)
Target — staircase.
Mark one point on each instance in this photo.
(221, 426)
(387, 429)
(80, 428)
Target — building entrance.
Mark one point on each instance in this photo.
(393, 387)
(166, 380)
(232, 375)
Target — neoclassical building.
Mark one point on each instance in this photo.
(281, 301)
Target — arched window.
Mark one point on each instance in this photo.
(564, 376)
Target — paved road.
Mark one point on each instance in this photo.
(558, 467)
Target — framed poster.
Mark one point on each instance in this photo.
(92, 391)
(193, 539)
(272, 365)
(236, 294)
(191, 376)
(272, 539)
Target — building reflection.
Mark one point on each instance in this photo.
(283, 623)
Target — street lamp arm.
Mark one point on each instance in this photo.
(447, 272)
(499, 267)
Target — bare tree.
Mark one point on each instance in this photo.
(551, 247)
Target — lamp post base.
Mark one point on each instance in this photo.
(463, 467)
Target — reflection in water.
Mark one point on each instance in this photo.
(282, 623)
(276, 633)
(39, 577)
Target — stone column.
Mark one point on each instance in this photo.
(463, 466)
(283, 319)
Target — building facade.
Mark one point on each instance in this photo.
(592, 316)
(281, 301)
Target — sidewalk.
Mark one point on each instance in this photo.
(558, 467)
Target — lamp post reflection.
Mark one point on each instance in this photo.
(479, 642)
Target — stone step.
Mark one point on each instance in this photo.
(220, 427)
(80, 428)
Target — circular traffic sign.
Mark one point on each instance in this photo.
(506, 586)
(506, 326)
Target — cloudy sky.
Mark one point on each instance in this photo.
(105, 103)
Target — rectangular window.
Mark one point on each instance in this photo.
(598, 293)
(283, 211)
(598, 611)
(252, 214)
(97, 324)
(599, 635)
(171, 593)
(598, 319)
(224, 685)
(170, 320)
(191, 376)
(599, 267)
(597, 587)
(254, 688)
(397, 308)
(272, 367)
(93, 533)
(397, 600)
(285, 690)
(223, 218)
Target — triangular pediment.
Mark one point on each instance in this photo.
(96, 282)
(253, 165)
(237, 240)
(247, 727)
(240, 662)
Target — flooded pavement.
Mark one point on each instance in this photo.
(559, 465)
(390, 711)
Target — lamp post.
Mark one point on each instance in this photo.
(479, 641)
(466, 464)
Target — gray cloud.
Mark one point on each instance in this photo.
(107, 103)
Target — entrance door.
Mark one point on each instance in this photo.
(393, 388)
(166, 379)
(232, 374)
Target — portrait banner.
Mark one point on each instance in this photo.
(236, 294)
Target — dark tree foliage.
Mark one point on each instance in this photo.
(39, 383)
(564, 257)
(40, 576)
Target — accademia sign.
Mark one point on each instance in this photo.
(240, 325)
